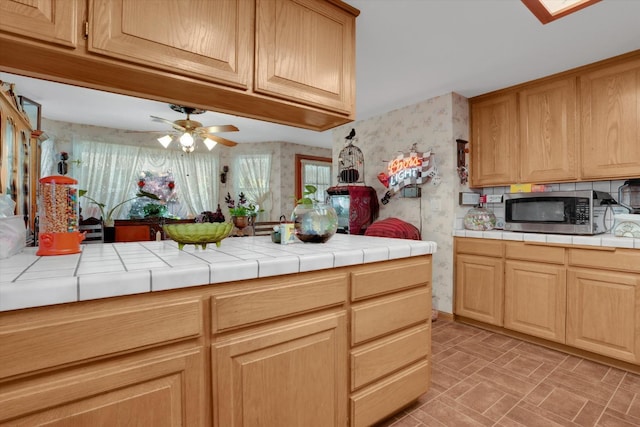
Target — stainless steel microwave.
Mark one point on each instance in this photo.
(566, 212)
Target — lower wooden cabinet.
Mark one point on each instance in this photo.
(480, 288)
(587, 298)
(604, 313)
(272, 351)
(159, 389)
(390, 357)
(535, 299)
(259, 377)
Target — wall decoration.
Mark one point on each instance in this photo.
(409, 170)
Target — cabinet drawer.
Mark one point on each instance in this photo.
(380, 279)
(56, 340)
(618, 259)
(381, 400)
(373, 361)
(484, 247)
(392, 313)
(249, 306)
(532, 252)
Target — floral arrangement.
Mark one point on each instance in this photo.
(243, 208)
(161, 184)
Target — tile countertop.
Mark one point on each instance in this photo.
(108, 270)
(606, 239)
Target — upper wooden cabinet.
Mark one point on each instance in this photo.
(211, 40)
(583, 124)
(285, 61)
(305, 53)
(46, 20)
(494, 136)
(611, 121)
(548, 132)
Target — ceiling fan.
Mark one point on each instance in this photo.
(188, 131)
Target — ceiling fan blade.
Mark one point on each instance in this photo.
(147, 131)
(215, 129)
(220, 140)
(169, 122)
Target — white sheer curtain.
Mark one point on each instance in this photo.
(252, 176)
(48, 158)
(110, 172)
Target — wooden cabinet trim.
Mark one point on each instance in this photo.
(399, 311)
(484, 247)
(80, 389)
(74, 338)
(387, 278)
(538, 253)
(371, 362)
(617, 260)
(245, 307)
(374, 403)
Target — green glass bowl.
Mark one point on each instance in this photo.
(198, 233)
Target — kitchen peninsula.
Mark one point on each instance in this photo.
(236, 335)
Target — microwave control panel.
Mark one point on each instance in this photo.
(583, 214)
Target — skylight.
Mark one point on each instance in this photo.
(550, 10)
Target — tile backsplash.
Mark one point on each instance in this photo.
(610, 187)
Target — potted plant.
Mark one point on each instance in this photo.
(107, 214)
(244, 213)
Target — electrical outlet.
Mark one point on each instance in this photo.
(494, 198)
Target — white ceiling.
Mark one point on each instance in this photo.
(407, 51)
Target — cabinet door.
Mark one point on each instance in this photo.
(163, 390)
(208, 40)
(47, 20)
(305, 52)
(603, 313)
(548, 126)
(535, 299)
(611, 121)
(291, 375)
(494, 141)
(480, 288)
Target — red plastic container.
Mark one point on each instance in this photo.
(58, 216)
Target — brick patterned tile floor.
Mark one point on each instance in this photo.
(480, 378)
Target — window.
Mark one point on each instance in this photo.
(313, 170)
(253, 178)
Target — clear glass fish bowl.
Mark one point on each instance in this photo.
(314, 223)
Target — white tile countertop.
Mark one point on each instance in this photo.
(563, 239)
(115, 269)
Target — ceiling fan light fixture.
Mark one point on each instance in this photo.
(186, 140)
(210, 143)
(165, 140)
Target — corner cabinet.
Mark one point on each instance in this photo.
(290, 62)
(611, 121)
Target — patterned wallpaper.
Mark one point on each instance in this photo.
(433, 125)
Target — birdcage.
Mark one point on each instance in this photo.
(350, 162)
